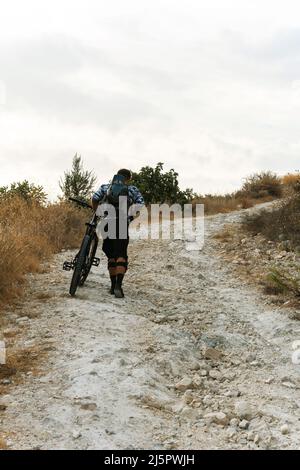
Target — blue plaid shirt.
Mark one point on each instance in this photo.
(135, 196)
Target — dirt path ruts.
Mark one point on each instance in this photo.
(112, 365)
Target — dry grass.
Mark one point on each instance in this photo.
(260, 185)
(257, 188)
(29, 233)
(215, 204)
(291, 179)
(21, 361)
(280, 224)
(226, 234)
(43, 295)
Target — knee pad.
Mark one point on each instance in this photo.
(111, 264)
(124, 264)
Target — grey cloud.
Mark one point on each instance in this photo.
(284, 45)
(276, 58)
(33, 73)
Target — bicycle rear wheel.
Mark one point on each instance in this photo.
(80, 264)
(90, 257)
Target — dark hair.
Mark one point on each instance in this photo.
(126, 173)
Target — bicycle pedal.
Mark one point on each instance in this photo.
(68, 266)
(96, 261)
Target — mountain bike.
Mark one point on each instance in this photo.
(85, 258)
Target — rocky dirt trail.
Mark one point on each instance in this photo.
(191, 358)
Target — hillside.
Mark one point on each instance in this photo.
(193, 357)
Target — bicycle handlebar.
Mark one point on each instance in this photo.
(81, 203)
(85, 204)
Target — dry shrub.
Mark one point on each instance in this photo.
(257, 188)
(225, 235)
(64, 224)
(279, 224)
(291, 179)
(246, 202)
(260, 185)
(215, 204)
(29, 233)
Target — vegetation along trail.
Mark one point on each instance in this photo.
(192, 358)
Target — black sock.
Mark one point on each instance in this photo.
(119, 281)
(113, 280)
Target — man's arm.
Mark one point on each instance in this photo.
(137, 197)
(137, 201)
(98, 196)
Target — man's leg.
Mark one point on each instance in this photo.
(112, 273)
(121, 268)
(121, 264)
(108, 249)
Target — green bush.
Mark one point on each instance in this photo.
(24, 190)
(158, 186)
(282, 282)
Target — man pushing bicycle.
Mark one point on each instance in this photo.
(115, 246)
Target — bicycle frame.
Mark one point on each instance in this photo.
(90, 231)
(92, 225)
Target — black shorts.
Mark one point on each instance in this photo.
(115, 248)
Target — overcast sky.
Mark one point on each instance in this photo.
(211, 88)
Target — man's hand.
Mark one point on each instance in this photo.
(95, 204)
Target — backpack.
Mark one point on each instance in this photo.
(116, 189)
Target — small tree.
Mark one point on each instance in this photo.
(77, 182)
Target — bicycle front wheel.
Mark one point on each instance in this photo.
(80, 264)
(89, 262)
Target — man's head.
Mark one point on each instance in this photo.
(126, 173)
